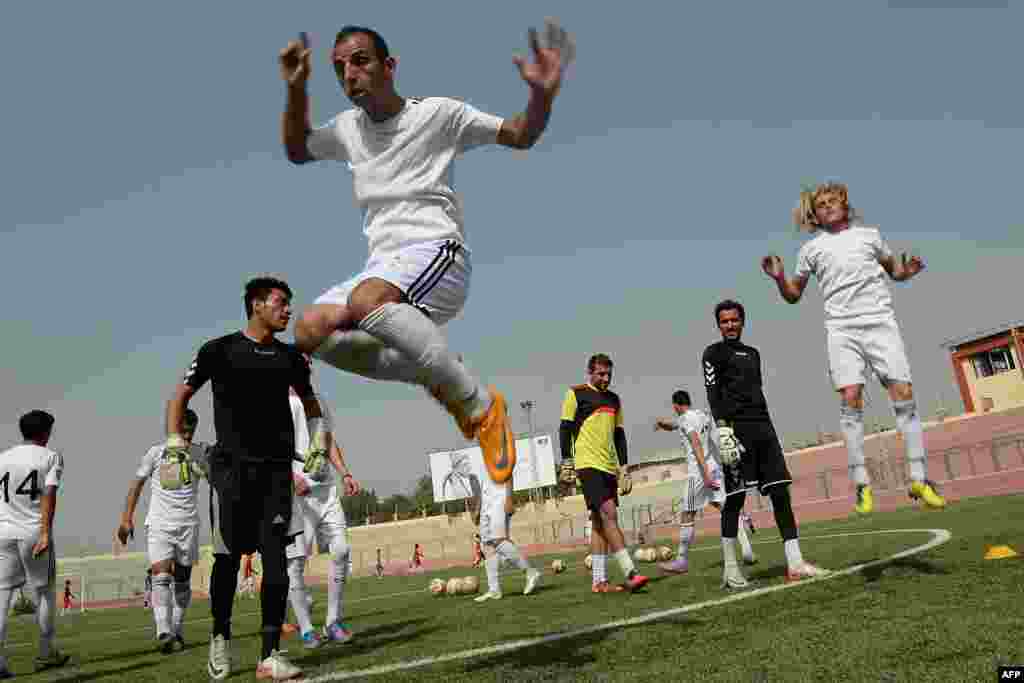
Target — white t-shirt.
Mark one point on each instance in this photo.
(403, 168)
(172, 509)
(25, 472)
(846, 264)
(318, 489)
(697, 421)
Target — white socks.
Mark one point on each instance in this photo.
(599, 568)
(909, 424)
(625, 562)
(491, 565)
(744, 539)
(729, 553)
(182, 599)
(793, 557)
(337, 576)
(6, 594)
(509, 551)
(297, 593)
(851, 423)
(686, 536)
(363, 354)
(46, 610)
(162, 602)
(402, 327)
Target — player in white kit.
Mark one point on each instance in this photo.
(851, 260)
(30, 474)
(703, 484)
(318, 516)
(492, 507)
(385, 323)
(172, 528)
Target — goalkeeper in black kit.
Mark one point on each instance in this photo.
(750, 451)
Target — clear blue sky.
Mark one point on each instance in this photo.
(145, 183)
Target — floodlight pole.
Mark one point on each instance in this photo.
(527, 406)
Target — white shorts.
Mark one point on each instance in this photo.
(17, 566)
(854, 349)
(434, 276)
(494, 521)
(696, 496)
(180, 545)
(322, 519)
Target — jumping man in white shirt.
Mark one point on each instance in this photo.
(703, 484)
(850, 261)
(29, 476)
(172, 528)
(385, 322)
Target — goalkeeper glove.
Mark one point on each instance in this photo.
(625, 484)
(315, 460)
(176, 466)
(729, 447)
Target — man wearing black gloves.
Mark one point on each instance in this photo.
(750, 451)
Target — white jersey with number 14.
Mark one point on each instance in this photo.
(25, 472)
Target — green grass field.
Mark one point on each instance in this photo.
(942, 615)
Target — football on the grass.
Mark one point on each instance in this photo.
(558, 566)
(437, 587)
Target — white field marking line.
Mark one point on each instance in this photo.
(201, 620)
(939, 536)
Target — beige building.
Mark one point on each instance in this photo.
(987, 367)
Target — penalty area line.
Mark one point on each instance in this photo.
(939, 536)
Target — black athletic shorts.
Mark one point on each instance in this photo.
(763, 463)
(250, 505)
(598, 486)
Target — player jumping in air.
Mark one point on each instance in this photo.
(30, 474)
(385, 323)
(851, 261)
(703, 483)
(172, 529)
(750, 451)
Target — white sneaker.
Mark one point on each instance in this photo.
(805, 570)
(276, 667)
(218, 665)
(489, 595)
(734, 580)
(532, 579)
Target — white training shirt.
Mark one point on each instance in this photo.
(697, 421)
(403, 168)
(172, 510)
(25, 472)
(318, 489)
(846, 264)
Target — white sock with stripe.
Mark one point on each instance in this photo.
(403, 327)
(162, 602)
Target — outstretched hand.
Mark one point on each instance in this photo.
(772, 266)
(912, 265)
(550, 58)
(295, 62)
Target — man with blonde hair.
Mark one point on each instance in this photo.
(851, 260)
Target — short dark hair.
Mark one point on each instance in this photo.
(599, 359)
(379, 45)
(259, 288)
(35, 424)
(730, 305)
(681, 398)
(190, 420)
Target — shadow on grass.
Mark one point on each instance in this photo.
(370, 640)
(550, 659)
(916, 564)
(74, 674)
